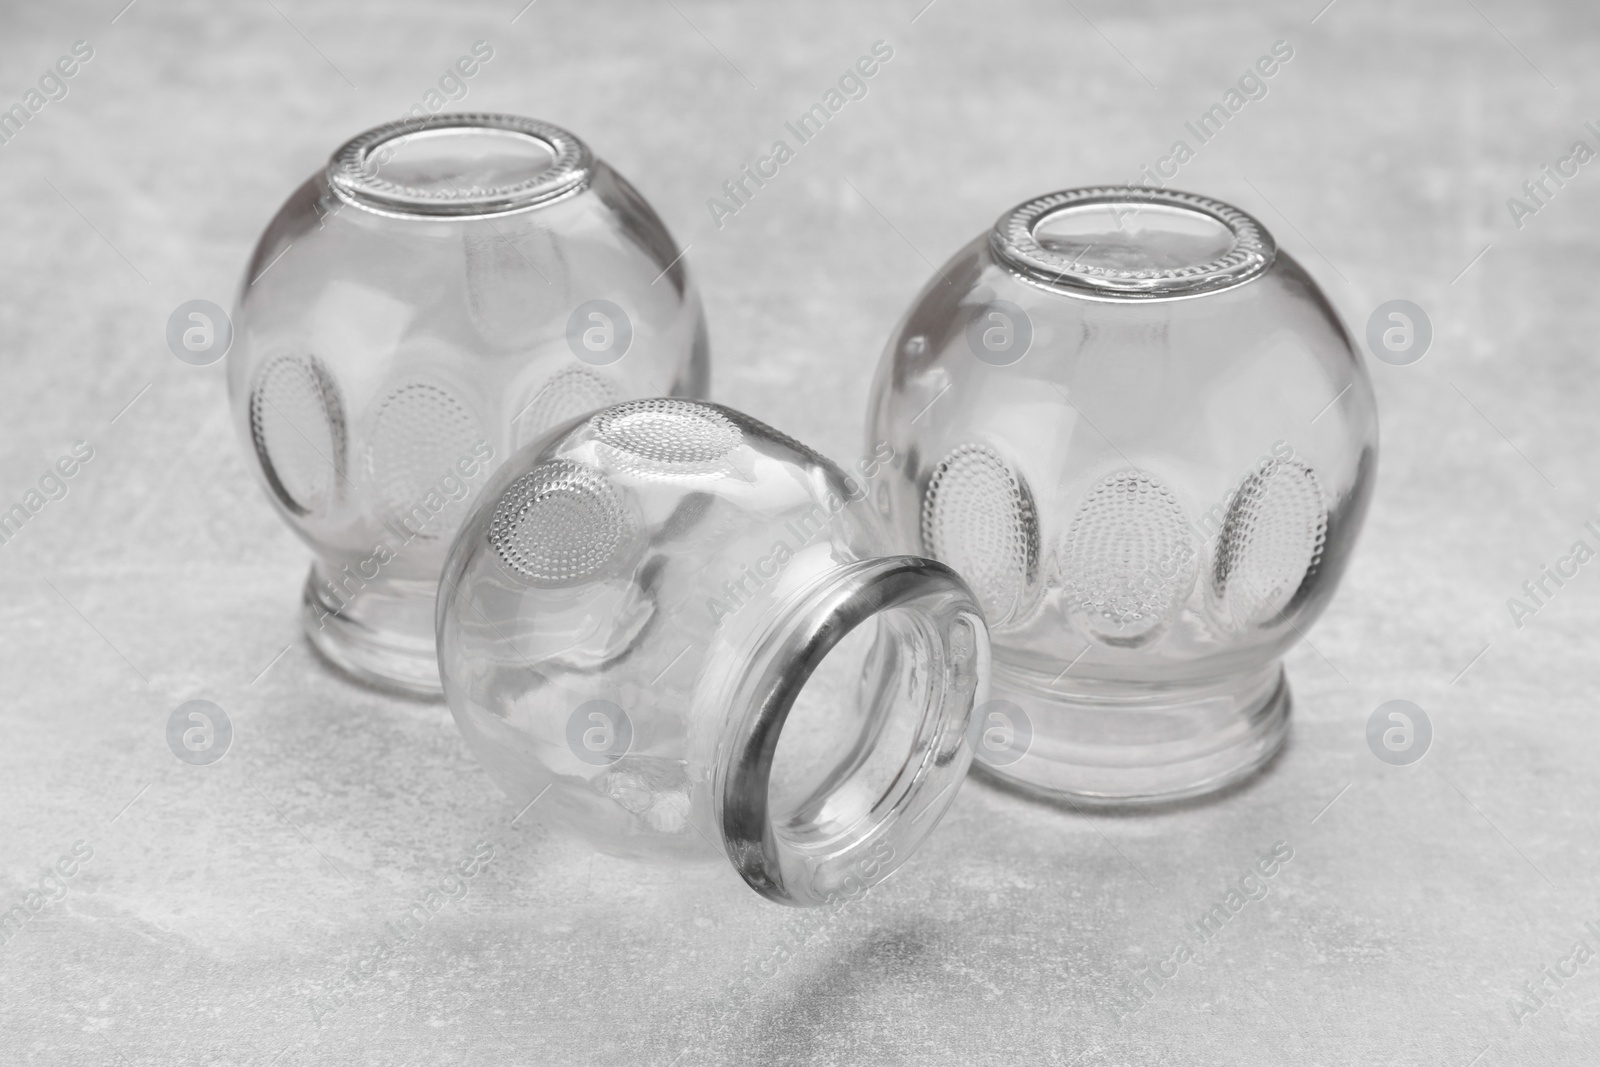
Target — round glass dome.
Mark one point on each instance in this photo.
(1142, 435)
(446, 291)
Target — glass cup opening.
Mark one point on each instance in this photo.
(1127, 238)
(459, 160)
(847, 742)
(878, 745)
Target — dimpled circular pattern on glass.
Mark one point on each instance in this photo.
(978, 516)
(667, 437)
(1127, 560)
(420, 430)
(568, 393)
(1270, 544)
(559, 524)
(297, 426)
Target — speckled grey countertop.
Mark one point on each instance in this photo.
(221, 908)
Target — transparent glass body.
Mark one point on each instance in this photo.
(631, 626)
(1143, 436)
(445, 291)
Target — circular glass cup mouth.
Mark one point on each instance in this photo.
(459, 164)
(868, 816)
(1130, 242)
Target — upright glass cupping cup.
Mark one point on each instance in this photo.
(1141, 433)
(685, 635)
(447, 290)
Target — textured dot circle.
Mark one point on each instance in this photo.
(978, 516)
(559, 524)
(668, 436)
(419, 432)
(567, 394)
(1128, 561)
(1270, 545)
(298, 428)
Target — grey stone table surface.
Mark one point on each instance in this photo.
(221, 910)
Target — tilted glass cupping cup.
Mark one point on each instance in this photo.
(629, 625)
(1143, 436)
(447, 290)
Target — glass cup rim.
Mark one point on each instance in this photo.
(771, 861)
(1014, 243)
(352, 176)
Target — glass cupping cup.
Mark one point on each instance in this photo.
(686, 636)
(1141, 433)
(446, 290)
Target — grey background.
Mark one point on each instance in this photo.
(221, 901)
